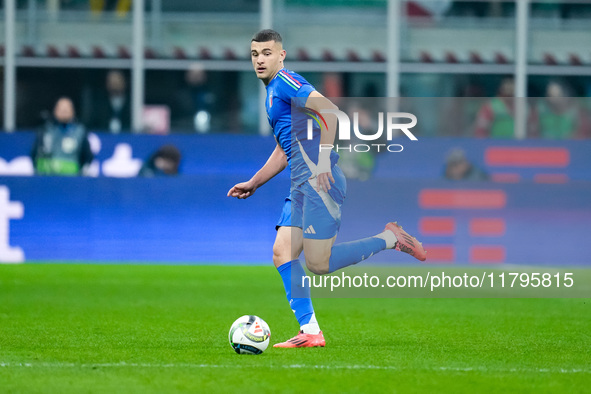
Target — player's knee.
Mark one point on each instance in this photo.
(317, 267)
(279, 260)
(281, 254)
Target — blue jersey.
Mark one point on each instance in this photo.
(291, 132)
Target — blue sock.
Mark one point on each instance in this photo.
(300, 302)
(348, 253)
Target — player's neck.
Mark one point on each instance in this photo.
(268, 81)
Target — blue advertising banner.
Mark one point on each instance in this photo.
(534, 209)
(190, 220)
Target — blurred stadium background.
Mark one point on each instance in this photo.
(183, 70)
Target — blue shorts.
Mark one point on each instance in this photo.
(318, 214)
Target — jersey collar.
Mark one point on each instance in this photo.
(275, 77)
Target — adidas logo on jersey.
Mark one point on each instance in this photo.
(310, 230)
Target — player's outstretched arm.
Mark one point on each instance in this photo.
(318, 102)
(274, 165)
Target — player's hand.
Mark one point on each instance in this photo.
(242, 190)
(323, 181)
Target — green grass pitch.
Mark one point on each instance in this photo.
(163, 329)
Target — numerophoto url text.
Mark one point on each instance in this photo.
(442, 281)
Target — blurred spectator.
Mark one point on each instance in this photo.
(459, 111)
(111, 109)
(62, 147)
(495, 119)
(121, 7)
(459, 168)
(195, 101)
(559, 115)
(164, 162)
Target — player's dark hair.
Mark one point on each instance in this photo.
(267, 35)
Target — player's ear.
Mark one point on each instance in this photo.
(282, 54)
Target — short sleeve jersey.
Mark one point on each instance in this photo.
(301, 152)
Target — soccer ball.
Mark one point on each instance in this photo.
(249, 335)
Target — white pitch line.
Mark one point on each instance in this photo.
(291, 366)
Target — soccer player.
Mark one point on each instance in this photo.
(312, 213)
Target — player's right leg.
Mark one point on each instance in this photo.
(322, 219)
(323, 256)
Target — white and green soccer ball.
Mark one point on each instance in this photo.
(249, 334)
